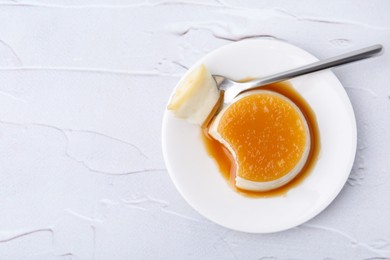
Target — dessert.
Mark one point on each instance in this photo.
(195, 97)
(268, 137)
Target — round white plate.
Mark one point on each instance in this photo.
(196, 175)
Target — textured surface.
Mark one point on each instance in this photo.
(83, 86)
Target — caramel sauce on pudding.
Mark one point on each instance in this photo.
(268, 143)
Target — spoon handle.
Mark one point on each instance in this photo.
(319, 65)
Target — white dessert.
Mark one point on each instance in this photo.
(195, 96)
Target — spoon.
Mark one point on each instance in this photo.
(233, 88)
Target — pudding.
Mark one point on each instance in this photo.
(195, 97)
(268, 137)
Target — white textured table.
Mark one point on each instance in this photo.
(83, 86)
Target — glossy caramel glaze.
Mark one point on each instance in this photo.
(267, 133)
(227, 164)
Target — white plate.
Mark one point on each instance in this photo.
(196, 175)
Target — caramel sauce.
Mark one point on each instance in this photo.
(226, 162)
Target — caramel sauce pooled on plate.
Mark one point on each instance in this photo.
(226, 161)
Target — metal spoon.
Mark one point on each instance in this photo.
(232, 88)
